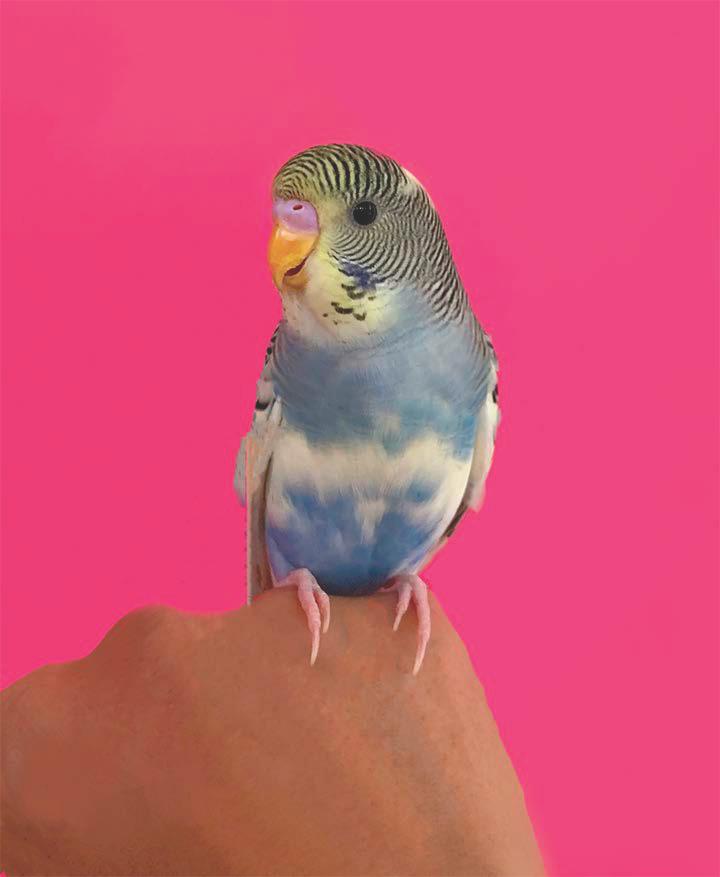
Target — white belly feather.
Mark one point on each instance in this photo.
(377, 479)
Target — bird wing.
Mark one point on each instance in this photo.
(488, 420)
(252, 471)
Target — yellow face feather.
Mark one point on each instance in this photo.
(325, 308)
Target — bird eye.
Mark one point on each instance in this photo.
(364, 213)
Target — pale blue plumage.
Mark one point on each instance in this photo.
(423, 381)
(377, 407)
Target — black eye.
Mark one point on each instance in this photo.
(364, 213)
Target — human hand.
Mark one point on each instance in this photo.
(206, 744)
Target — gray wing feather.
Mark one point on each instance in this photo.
(252, 470)
(488, 420)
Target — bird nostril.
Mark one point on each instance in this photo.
(298, 216)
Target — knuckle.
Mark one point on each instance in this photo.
(148, 620)
(144, 630)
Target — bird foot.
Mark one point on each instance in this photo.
(314, 601)
(412, 587)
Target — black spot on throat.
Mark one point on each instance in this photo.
(353, 292)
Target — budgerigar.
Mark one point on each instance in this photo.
(377, 407)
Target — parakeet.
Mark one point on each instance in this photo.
(377, 407)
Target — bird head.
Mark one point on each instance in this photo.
(356, 244)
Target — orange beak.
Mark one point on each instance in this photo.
(287, 253)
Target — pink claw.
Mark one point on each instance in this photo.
(315, 603)
(413, 587)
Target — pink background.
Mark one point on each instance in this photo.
(570, 149)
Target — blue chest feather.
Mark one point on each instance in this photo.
(329, 536)
(411, 406)
(429, 380)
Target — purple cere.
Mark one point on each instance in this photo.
(297, 216)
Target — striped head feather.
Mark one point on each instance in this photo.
(381, 262)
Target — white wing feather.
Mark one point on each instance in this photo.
(488, 421)
(252, 470)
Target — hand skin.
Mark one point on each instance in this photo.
(206, 744)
